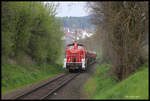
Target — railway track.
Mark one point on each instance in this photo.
(49, 88)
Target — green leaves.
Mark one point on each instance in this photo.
(31, 28)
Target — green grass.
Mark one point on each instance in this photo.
(103, 86)
(16, 76)
(99, 82)
(99, 54)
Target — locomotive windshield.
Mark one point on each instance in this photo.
(71, 47)
(80, 47)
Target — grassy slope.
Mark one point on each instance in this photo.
(14, 76)
(102, 86)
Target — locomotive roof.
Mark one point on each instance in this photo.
(73, 44)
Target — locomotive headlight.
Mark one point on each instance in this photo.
(83, 63)
(83, 60)
(64, 63)
(65, 59)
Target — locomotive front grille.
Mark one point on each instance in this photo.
(74, 57)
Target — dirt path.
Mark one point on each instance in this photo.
(74, 90)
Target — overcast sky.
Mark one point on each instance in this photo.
(76, 9)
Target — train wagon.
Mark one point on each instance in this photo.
(77, 57)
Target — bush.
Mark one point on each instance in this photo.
(30, 28)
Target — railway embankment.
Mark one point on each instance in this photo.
(17, 76)
(104, 86)
(72, 90)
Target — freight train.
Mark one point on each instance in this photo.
(77, 57)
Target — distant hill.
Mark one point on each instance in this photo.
(78, 22)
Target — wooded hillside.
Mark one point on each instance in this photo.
(30, 29)
(78, 22)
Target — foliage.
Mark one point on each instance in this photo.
(122, 34)
(30, 28)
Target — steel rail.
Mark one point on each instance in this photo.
(58, 87)
(52, 81)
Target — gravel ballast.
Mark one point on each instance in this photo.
(74, 89)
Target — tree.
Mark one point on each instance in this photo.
(120, 28)
(30, 28)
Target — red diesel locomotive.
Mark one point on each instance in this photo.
(77, 57)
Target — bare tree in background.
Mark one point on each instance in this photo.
(123, 30)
